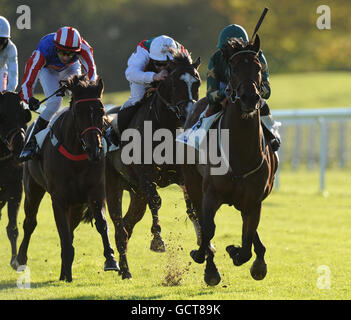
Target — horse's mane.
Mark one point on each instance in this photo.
(234, 45)
(181, 57)
(82, 81)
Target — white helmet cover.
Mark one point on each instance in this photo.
(5, 29)
(160, 48)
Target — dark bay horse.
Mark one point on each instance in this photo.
(165, 109)
(251, 165)
(71, 169)
(13, 123)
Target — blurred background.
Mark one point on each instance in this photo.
(290, 38)
(309, 67)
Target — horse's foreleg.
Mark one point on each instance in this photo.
(136, 211)
(34, 194)
(194, 217)
(210, 205)
(67, 249)
(259, 267)
(251, 219)
(154, 202)
(98, 209)
(12, 230)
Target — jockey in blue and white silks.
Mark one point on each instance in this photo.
(58, 56)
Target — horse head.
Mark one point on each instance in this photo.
(13, 122)
(244, 73)
(180, 90)
(88, 113)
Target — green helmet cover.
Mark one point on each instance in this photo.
(231, 31)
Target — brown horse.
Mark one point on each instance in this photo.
(251, 164)
(13, 123)
(165, 109)
(71, 170)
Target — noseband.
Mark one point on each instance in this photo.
(172, 106)
(236, 90)
(10, 137)
(92, 128)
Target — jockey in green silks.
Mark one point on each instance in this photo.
(217, 81)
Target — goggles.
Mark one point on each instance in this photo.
(160, 63)
(63, 53)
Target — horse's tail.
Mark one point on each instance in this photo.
(87, 216)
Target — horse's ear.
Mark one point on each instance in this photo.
(257, 43)
(100, 87)
(197, 63)
(27, 115)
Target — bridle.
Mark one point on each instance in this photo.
(235, 90)
(174, 107)
(10, 137)
(82, 133)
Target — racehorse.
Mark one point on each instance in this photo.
(13, 123)
(251, 164)
(71, 169)
(165, 108)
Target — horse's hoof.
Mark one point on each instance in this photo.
(158, 245)
(212, 278)
(232, 251)
(126, 275)
(14, 263)
(258, 269)
(111, 265)
(196, 257)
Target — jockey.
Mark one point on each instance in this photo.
(217, 81)
(8, 58)
(58, 56)
(146, 65)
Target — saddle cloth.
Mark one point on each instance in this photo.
(197, 133)
(41, 135)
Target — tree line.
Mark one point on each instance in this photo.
(290, 38)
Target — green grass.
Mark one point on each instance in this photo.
(289, 91)
(301, 229)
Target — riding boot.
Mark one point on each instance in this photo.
(272, 127)
(30, 148)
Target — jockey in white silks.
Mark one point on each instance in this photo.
(8, 58)
(147, 64)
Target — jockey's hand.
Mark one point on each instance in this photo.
(162, 75)
(33, 103)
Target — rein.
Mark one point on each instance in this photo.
(235, 177)
(173, 107)
(63, 150)
(10, 137)
(231, 89)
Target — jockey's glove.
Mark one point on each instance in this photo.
(33, 103)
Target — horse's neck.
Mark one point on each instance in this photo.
(67, 132)
(164, 115)
(245, 145)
